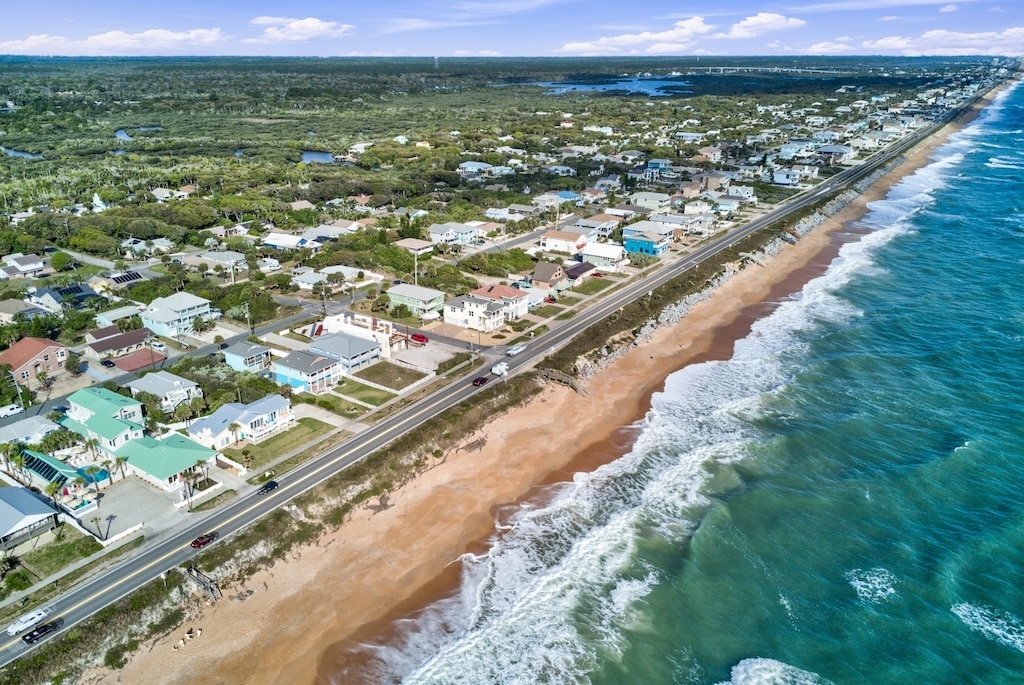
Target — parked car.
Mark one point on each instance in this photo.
(39, 632)
(269, 486)
(107, 363)
(204, 540)
(482, 380)
(10, 410)
(598, 274)
(420, 338)
(158, 346)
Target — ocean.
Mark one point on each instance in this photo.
(842, 501)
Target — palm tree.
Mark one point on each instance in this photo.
(91, 444)
(96, 522)
(203, 468)
(119, 463)
(234, 427)
(90, 473)
(52, 490)
(7, 450)
(108, 466)
(18, 462)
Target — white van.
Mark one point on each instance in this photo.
(10, 410)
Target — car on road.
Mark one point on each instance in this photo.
(204, 540)
(10, 410)
(482, 380)
(62, 408)
(513, 350)
(39, 632)
(107, 363)
(479, 242)
(269, 486)
(420, 338)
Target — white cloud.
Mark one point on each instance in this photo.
(941, 42)
(680, 36)
(828, 48)
(760, 24)
(477, 53)
(948, 8)
(288, 29)
(152, 41)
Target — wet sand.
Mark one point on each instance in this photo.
(295, 622)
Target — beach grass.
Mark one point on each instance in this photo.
(70, 546)
(214, 502)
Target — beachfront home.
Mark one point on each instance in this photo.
(234, 422)
(605, 256)
(475, 313)
(515, 303)
(23, 516)
(308, 372)
(562, 241)
(167, 463)
(548, 277)
(352, 352)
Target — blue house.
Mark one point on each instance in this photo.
(308, 372)
(647, 243)
(247, 356)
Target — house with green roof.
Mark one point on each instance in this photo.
(105, 416)
(165, 463)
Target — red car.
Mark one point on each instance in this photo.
(420, 338)
(204, 540)
(480, 381)
(598, 274)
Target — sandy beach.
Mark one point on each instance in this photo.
(281, 626)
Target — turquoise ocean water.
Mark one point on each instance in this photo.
(841, 502)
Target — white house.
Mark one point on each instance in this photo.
(171, 389)
(562, 241)
(174, 316)
(605, 256)
(234, 422)
(476, 313)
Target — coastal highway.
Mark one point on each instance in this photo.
(166, 552)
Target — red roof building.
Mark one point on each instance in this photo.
(31, 356)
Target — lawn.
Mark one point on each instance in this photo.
(306, 430)
(340, 406)
(390, 375)
(363, 393)
(591, 286)
(547, 311)
(55, 555)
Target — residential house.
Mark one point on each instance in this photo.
(418, 299)
(286, 241)
(306, 278)
(23, 516)
(835, 154)
(452, 233)
(56, 300)
(786, 177)
(28, 431)
(175, 315)
(12, 308)
(647, 243)
(473, 169)
(710, 153)
(562, 241)
(109, 418)
(577, 273)
(611, 182)
(599, 225)
(308, 372)
(659, 164)
(117, 344)
(560, 170)
(114, 281)
(515, 303)
(651, 201)
(167, 463)
(234, 422)
(605, 256)
(112, 316)
(352, 352)
(135, 248)
(172, 390)
(548, 277)
(30, 357)
(19, 265)
(475, 313)
(247, 356)
(229, 260)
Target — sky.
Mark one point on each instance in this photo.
(327, 28)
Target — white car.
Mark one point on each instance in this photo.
(10, 410)
(158, 346)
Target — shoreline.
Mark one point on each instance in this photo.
(378, 565)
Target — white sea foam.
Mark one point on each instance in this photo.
(1003, 163)
(771, 672)
(874, 585)
(1003, 627)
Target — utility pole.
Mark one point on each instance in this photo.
(17, 390)
(248, 320)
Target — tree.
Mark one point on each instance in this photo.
(18, 462)
(233, 428)
(96, 522)
(90, 473)
(108, 466)
(59, 261)
(52, 490)
(73, 364)
(119, 463)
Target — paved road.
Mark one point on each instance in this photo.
(159, 556)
